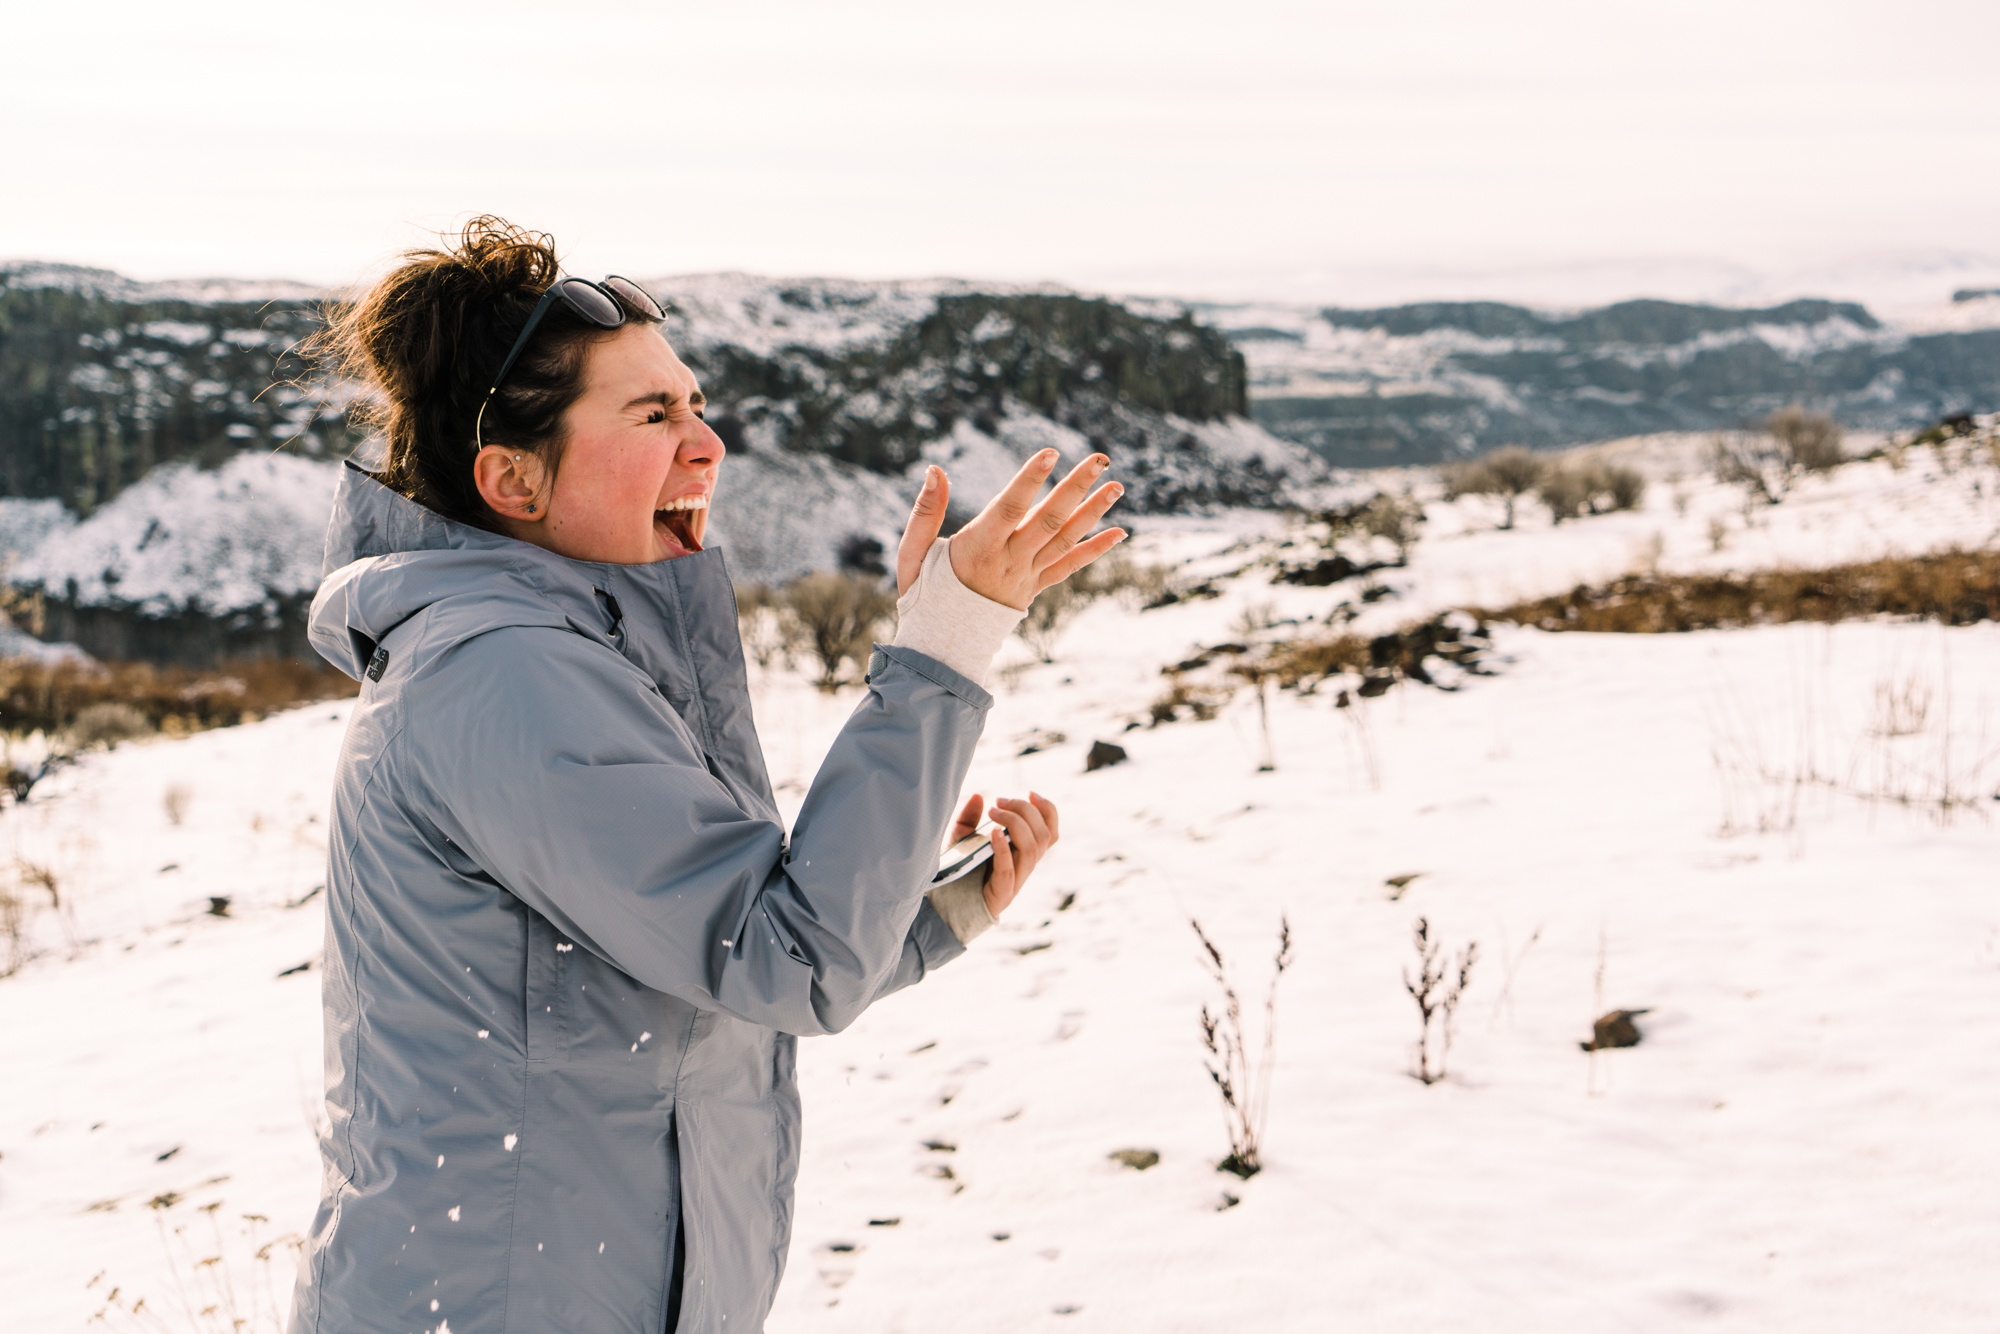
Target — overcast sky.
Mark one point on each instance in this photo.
(1329, 151)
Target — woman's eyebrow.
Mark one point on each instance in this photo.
(666, 400)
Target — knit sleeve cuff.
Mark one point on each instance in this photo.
(962, 904)
(943, 618)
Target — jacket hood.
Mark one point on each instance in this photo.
(389, 558)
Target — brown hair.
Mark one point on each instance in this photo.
(426, 341)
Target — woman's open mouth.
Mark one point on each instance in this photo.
(679, 522)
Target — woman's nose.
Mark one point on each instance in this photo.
(703, 445)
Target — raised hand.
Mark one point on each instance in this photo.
(1016, 548)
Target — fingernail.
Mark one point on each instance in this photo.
(1117, 490)
(1122, 535)
(930, 478)
(1099, 462)
(1048, 458)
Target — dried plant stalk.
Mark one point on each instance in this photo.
(1245, 1088)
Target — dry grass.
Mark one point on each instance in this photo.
(1306, 661)
(1955, 587)
(112, 699)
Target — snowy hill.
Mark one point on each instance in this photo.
(1738, 833)
(829, 394)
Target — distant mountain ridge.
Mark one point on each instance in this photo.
(1435, 380)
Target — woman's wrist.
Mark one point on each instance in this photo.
(962, 904)
(942, 618)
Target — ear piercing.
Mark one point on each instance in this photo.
(531, 507)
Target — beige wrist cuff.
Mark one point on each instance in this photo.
(962, 904)
(943, 618)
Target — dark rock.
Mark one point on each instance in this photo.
(1319, 574)
(1374, 685)
(1103, 754)
(218, 905)
(1137, 1159)
(1615, 1029)
(1192, 593)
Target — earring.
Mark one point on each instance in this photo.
(531, 507)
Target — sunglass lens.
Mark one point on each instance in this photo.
(632, 292)
(584, 298)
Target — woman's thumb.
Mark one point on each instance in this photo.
(926, 521)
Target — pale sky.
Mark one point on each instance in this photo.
(1330, 151)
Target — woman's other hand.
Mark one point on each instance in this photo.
(1016, 548)
(1028, 829)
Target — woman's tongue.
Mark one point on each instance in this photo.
(677, 528)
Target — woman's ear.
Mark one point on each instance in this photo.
(510, 482)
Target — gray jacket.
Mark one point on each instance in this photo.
(568, 944)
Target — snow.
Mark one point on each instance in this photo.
(1698, 825)
(187, 538)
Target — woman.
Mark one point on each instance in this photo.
(569, 945)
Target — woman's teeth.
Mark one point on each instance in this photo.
(685, 503)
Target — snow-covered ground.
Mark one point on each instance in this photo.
(1697, 825)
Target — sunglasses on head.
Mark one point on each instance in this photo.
(594, 302)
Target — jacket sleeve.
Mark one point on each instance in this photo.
(930, 944)
(558, 768)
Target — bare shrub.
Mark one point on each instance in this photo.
(175, 802)
(1622, 487)
(1590, 486)
(838, 615)
(1118, 575)
(1508, 473)
(1812, 439)
(1437, 990)
(1050, 614)
(1245, 1088)
(1395, 519)
(1768, 464)
(107, 724)
(769, 630)
(1565, 491)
